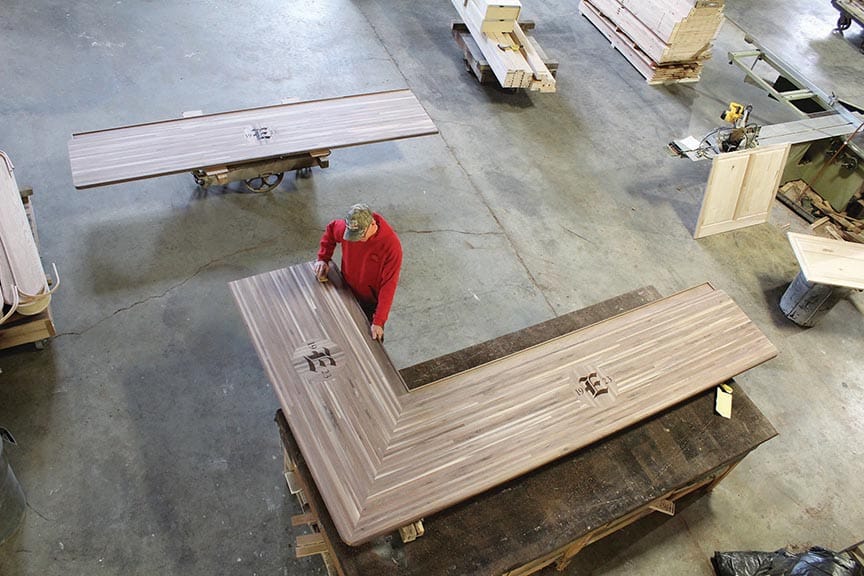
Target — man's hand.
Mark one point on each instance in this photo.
(377, 333)
(321, 269)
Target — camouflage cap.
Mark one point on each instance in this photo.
(359, 218)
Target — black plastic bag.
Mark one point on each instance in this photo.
(814, 562)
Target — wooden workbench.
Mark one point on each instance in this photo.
(548, 516)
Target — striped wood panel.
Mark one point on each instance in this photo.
(213, 140)
(383, 457)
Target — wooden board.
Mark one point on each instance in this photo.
(524, 524)
(27, 329)
(384, 457)
(213, 140)
(741, 188)
(829, 261)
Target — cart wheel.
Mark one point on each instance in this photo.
(264, 182)
(844, 22)
(40, 344)
(199, 181)
(304, 172)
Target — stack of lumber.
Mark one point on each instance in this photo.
(383, 457)
(511, 55)
(667, 41)
(22, 281)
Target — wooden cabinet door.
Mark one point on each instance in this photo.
(740, 189)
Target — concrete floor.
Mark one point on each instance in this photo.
(147, 444)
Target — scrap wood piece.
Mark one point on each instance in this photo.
(383, 457)
(187, 144)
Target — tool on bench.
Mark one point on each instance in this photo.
(739, 136)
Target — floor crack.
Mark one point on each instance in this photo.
(171, 288)
(466, 232)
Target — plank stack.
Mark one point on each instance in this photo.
(667, 41)
(512, 56)
(23, 284)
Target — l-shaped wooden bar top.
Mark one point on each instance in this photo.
(383, 456)
(180, 145)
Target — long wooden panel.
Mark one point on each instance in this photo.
(829, 261)
(213, 140)
(383, 457)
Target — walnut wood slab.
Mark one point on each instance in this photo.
(383, 457)
(215, 140)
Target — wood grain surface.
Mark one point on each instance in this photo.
(212, 140)
(383, 457)
(20, 265)
(829, 261)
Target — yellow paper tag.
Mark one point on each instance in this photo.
(723, 404)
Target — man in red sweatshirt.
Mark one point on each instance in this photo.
(371, 260)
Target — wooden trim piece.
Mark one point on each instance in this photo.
(829, 261)
(309, 545)
(187, 144)
(741, 187)
(543, 80)
(383, 457)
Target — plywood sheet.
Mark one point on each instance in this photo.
(213, 140)
(740, 189)
(383, 457)
(829, 261)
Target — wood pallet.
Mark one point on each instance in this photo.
(21, 329)
(383, 457)
(549, 515)
(677, 73)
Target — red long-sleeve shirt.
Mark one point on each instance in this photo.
(370, 268)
